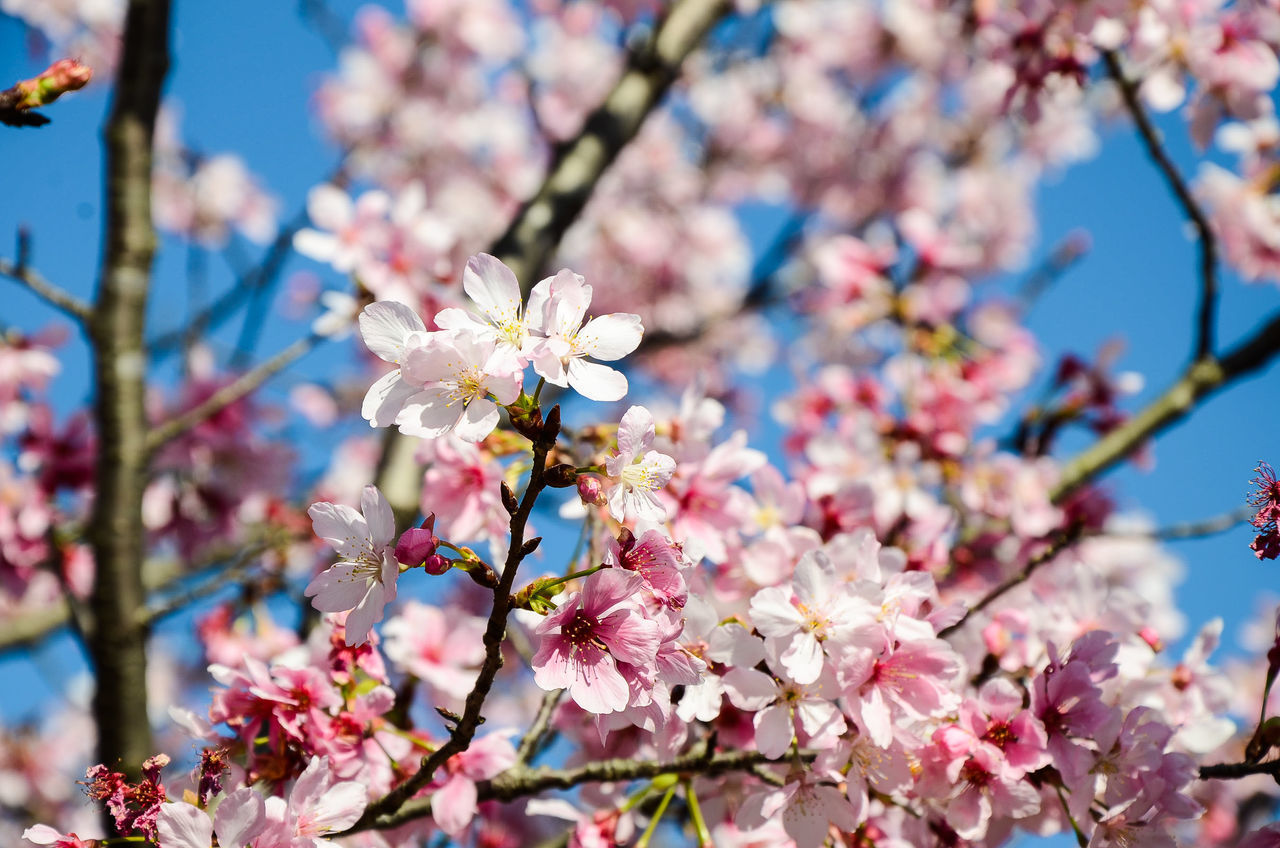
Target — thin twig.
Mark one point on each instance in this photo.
(224, 307)
(48, 292)
(1190, 529)
(232, 574)
(1207, 312)
(1058, 541)
(230, 393)
(532, 740)
(494, 635)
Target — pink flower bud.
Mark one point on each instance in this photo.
(1152, 638)
(590, 490)
(436, 564)
(59, 78)
(415, 546)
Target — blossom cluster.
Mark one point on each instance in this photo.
(896, 630)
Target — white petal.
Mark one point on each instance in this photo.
(341, 526)
(749, 689)
(429, 414)
(773, 731)
(611, 337)
(492, 286)
(386, 327)
(240, 817)
(597, 382)
(385, 398)
(184, 826)
(329, 207)
(478, 421)
(378, 515)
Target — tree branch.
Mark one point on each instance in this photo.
(1058, 541)
(1235, 771)
(520, 781)
(1201, 378)
(118, 644)
(537, 228)
(652, 67)
(533, 739)
(51, 294)
(494, 634)
(243, 385)
(1207, 312)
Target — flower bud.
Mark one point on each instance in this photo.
(417, 543)
(590, 490)
(561, 476)
(436, 564)
(60, 77)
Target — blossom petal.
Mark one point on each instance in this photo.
(611, 337)
(385, 399)
(429, 414)
(240, 817)
(597, 382)
(342, 527)
(184, 826)
(337, 589)
(493, 287)
(773, 730)
(387, 326)
(453, 805)
(478, 420)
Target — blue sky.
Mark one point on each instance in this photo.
(244, 72)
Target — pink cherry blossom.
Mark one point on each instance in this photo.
(556, 310)
(589, 634)
(364, 579)
(636, 472)
(455, 387)
(453, 804)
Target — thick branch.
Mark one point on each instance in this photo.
(652, 67)
(243, 385)
(46, 291)
(521, 782)
(1235, 771)
(536, 231)
(118, 643)
(1206, 314)
(1201, 379)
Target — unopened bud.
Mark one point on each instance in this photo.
(417, 543)
(60, 77)
(436, 564)
(1152, 638)
(590, 490)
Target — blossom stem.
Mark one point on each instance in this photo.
(574, 576)
(1081, 839)
(657, 817)
(695, 815)
(494, 636)
(537, 392)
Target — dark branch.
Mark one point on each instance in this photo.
(1207, 314)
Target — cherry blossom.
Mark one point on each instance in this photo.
(589, 634)
(637, 471)
(364, 579)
